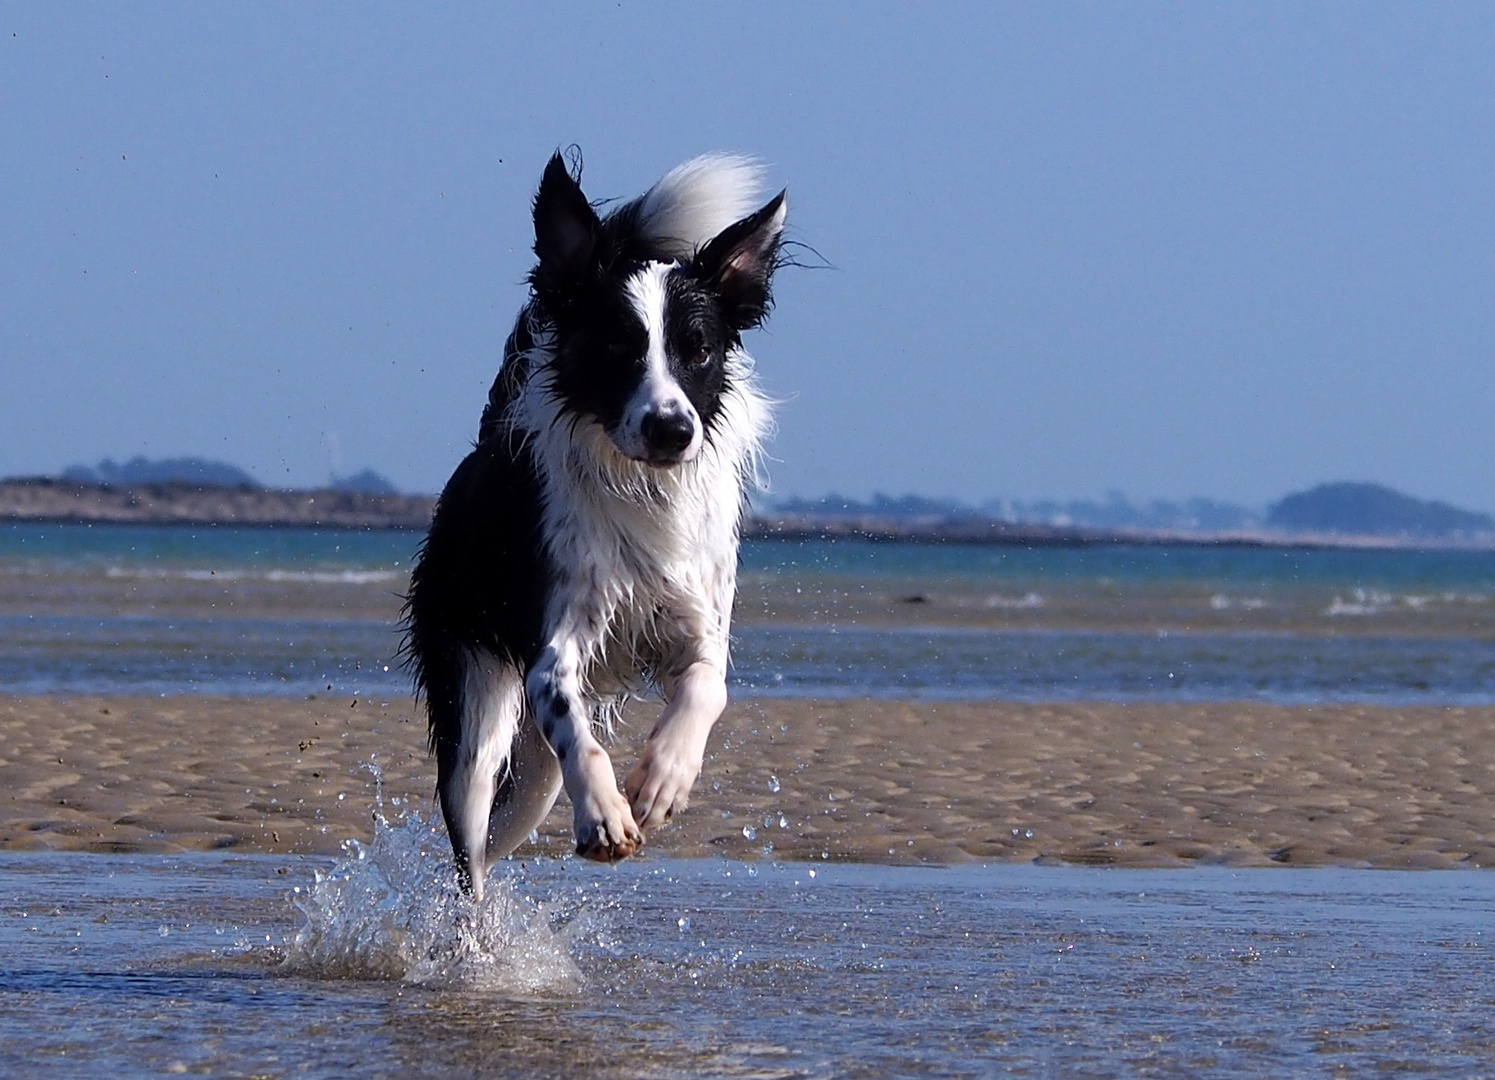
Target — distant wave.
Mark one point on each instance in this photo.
(1222, 602)
(1362, 602)
(1027, 601)
(315, 577)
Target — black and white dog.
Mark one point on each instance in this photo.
(586, 549)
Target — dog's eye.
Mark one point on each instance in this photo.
(697, 356)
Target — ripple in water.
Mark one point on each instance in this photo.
(392, 910)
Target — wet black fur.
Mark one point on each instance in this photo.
(482, 576)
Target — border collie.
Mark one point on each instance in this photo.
(586, 550)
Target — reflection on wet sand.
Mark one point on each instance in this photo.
(1145, 784)
(176, 965)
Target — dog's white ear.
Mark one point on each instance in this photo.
(565, 227)
(740, 262)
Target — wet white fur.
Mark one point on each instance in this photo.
(645, 568)
(644, 564)
(658, 393)
(504, 745)
(697, 200)
(629, 539)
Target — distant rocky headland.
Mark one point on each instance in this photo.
(1333, 515)
(198, 491)
(45, 499)
(1376, 510)
(1329, 515)
(51, 500)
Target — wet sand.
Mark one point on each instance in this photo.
(886, 781)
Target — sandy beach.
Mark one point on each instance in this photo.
(902, 782)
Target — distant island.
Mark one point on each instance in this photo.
(193, 491)
(1370, 509)
(50, 499)
(1112, 513)
(201, 472)
(196, 491)
(1335, 515)
(139, 471)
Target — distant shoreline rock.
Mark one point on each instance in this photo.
(141, 470)
(1360, 509)
(972, 530)
(53, 501)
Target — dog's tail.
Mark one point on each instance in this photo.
(697, 200)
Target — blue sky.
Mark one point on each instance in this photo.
(1227, 250)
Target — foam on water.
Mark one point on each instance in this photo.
(313, 577)
(119, 969)
(393, 910)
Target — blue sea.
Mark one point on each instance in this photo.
(214, 965)
(374, 965)
(129, 609)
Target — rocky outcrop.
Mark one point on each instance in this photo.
(50, 500)
(1375, 510)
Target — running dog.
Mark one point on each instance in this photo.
(586, 550)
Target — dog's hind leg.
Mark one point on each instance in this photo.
(527, 790)
(491, 698)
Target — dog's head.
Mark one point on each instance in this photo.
(647, 316)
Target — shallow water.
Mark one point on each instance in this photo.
(114, 609)
(205, 965)
(285, 656)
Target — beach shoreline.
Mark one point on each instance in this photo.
(42, 500)
(902, 782)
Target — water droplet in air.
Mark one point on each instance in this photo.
(773, 785)
(683, 923)
(749, 833)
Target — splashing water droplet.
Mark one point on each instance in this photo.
(773, 784)
(393, 910)
(749, 833)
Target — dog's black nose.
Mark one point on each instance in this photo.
(667, 434)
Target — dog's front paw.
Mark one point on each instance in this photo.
(605, 829)
(659, 785)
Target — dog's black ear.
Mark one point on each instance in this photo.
(565, 227)
(740, 262)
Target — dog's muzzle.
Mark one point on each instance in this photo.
(667, 435)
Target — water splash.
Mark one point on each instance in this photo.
(392, 910)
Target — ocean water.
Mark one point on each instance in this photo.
(269, 611)
(373, 966)
(252, 611)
